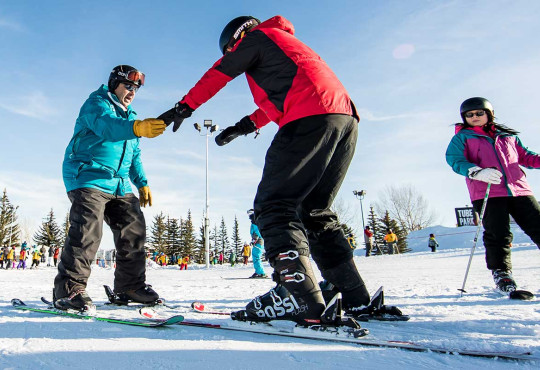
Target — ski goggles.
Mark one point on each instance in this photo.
(133, 76)
(480, 113)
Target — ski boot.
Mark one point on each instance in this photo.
(78, 300)
(296, 297)
(258, 276)
(145, 295)
(504, 282)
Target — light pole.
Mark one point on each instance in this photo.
(360, 195)
(13, 210)
(210, 129)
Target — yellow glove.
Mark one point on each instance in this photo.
(150, 127)
(145, 196)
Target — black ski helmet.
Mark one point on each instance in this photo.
(251, 214)
(235, 29)
(476, 103)
(125, 73)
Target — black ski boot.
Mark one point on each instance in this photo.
(504, 281)
(296, 297)
(144, 295)
(78, 300)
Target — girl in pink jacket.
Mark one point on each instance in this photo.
(487, 152)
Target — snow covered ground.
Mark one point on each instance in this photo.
(423, 284)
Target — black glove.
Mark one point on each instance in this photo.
(177, 115)
(243, 127)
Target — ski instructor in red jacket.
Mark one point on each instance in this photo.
(304, 167)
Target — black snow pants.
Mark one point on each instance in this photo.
(304, 169)
(497, 235)
(89, 208)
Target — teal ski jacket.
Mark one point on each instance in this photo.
(104, 152)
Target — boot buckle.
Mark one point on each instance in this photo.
(296, 277)
(289, 255)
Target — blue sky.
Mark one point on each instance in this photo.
(407, 64)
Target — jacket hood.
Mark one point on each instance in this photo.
(278, 22)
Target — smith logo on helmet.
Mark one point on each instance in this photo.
(251, 22)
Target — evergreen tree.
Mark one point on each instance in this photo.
(173, 236)
(387, 223)
(49, 233)
(9, 228)
(199, 254)
(158, 234)
(224, 245)
(236, 240)
(188, 236)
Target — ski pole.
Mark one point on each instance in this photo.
(484, 203)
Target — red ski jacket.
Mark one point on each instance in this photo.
(288, 80)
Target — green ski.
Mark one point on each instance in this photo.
(153, 323)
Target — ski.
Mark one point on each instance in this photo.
(335, 335)
(201, 308)
(276, 328)
(152, 323)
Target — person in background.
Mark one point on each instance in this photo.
(184, 262)
(50, 256)
(232, 258)
(56, 254)
(368, 239)
(36, 258)
(257, 242)
(101, 160)
(10, 259)
(391, 240)
(22, 259)
(246, 252)
(432, 243)
(486, 152)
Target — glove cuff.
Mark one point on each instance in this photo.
(473, 171)
(136, 128)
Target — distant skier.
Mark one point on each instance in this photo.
(432, 243)
(368, 239)
(36, 258)
(246, 253)
(55, 255)
(391, 240)
(486, 152)
(10, 259)
(22, 259)
(257, 251)
(50, 256)
(101, 160)
(304, 166)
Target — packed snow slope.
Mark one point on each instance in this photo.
(423, 284)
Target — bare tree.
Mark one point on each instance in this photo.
(344, 211)
(26, 229)
(407, 206)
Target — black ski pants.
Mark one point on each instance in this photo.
(497, 235)
(89, 208)
(304, 169)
